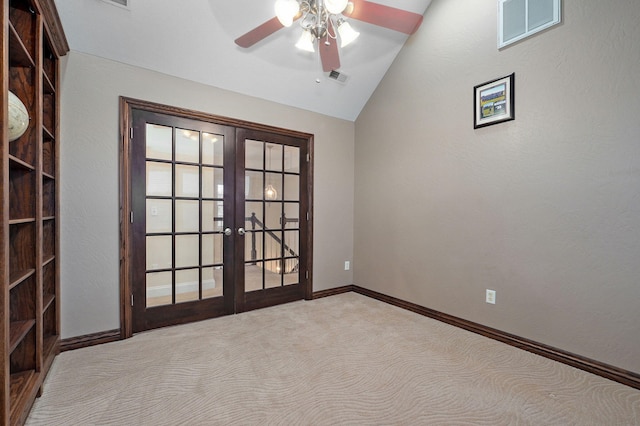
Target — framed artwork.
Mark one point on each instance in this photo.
(494, 101)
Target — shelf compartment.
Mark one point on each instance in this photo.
(18, 53)
(49, 63)
(23, 355)
(49, 280)
(48, 238)
(22, 248)
(50, 349)
(17, 332)
(21, 194)
(23, 19)
(48, 197)
(18, 164)
(47, 300)
(49, 112)
(18, 277)
(48, 154)
(50, 328)
(22, 84)
(47, 85)
(25, 380)
(23, 385)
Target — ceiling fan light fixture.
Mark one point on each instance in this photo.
(347, 33)
(336, 7)
(306, 42)
(286, 10)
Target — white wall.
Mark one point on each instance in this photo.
(544, 209)
(90, 87)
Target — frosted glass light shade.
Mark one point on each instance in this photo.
(306, 42)
(270, 192)
(347, 34)
(336, 6)
(286, 10)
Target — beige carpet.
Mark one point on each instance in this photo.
(345, 359)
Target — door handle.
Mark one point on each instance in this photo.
(240, 231)
(228, 231)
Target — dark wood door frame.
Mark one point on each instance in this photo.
(127, 105)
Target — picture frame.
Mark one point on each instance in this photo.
(494, 101)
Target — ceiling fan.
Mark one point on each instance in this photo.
(324, 22)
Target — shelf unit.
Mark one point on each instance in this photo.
(32, 43)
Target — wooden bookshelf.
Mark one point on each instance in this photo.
(32, 43)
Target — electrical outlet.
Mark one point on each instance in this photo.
(491, 297)
(347, 265)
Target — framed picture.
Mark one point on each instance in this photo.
(494, 101)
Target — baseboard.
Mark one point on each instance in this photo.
(592, 366)
(87, 340)
(332, 292)
(583, 363)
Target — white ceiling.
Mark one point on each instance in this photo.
(194, 40)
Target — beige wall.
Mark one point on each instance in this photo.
(90, 88)
(544, 209)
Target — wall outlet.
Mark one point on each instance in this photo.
(347, 265)
(491, 297)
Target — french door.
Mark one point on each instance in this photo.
(219, 219)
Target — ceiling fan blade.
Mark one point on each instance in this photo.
(259, 33)
(385, 16)
(329, 55)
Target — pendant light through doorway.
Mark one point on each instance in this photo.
(270, 192)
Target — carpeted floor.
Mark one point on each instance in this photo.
(346, 359)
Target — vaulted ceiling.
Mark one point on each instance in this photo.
(194, 40)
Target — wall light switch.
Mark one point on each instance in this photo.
(491, 296)
(347, 265)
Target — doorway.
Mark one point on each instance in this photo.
(219, 216)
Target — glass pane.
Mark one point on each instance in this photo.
(159, 181)
(292, 187)
(273, 213)
(187, 216)
(291, 243)
(292, 159)
(253, 185)
(187, 181)
(187, 146)
(159, 216)
(272, 244)
(540, 13)
(212, 182)
(211, 249)
(514, 19)
(291, 275)
(159, 252)
(253, 246)
(272, 277)
(159, 142)
(212, 282)
(274, 157)
(212, 149)
(187, 253)
(253, 154)
(212, 216)
(292, 215)
(253, 276)
(275, 180)
(159, 289)
(187, 285)
(253, 214)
